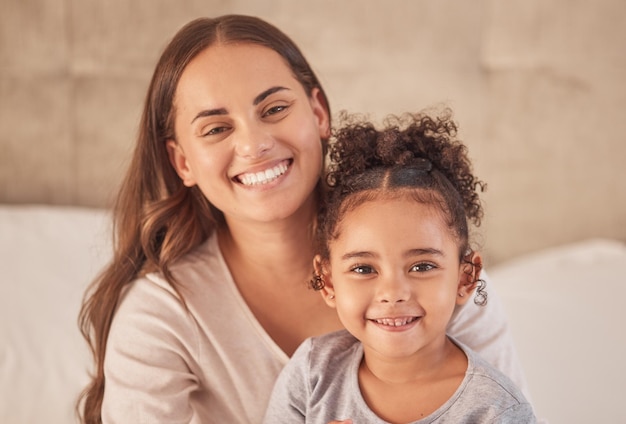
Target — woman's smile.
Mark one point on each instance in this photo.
(265, 176)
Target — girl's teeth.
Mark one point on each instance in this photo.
(395, 322)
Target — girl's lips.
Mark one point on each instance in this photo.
(264, 176)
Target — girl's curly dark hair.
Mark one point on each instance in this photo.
(413, 154)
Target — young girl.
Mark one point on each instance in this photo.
(205, 299)
(394, 260)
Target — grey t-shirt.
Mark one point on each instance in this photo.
(320, 384)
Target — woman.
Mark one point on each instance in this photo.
(206, 297)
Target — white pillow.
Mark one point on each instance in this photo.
(49, 256)
(565, 307)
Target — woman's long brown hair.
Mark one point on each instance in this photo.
(156, 219)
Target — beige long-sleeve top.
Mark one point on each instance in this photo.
(214, 362)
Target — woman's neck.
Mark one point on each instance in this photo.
(271, 264)
(280, 247)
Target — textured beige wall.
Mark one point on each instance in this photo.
(538, 87)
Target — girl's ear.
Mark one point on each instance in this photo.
(320, 110)
(179, 162)
(327, 291)
(471, 265)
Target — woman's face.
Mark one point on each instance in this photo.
(247, 133)
(395, 275)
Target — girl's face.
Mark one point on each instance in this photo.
(396, 277)
(247, 133)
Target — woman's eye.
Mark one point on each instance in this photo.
(214, 131)
(422, 267)
(275, 109)
(362, 269)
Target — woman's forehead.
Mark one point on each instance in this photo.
(223, 71)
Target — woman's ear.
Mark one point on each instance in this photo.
(320, 110)
(179, 162)
(327, 291)
(471, 265)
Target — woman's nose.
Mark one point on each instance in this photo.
(253, 142)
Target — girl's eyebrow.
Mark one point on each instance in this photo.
(408, 254)
(358, 254)
(258, 99)
(222, 111)
(425, 251)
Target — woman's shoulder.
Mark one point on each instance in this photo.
(198, 269)
(206, 255)
(194, 273)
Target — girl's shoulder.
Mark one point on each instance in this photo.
(327, 351)
(486, 378)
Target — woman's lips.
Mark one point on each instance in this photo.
(265, 176)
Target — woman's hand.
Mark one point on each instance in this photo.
(341, 422)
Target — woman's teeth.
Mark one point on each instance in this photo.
(263, 177)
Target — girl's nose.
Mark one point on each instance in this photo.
(393, 289)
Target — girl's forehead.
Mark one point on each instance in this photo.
(391, 228)
(389, 212)
(380, 207)
(378, 197)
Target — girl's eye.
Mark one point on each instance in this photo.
(362, 269)
(422, 267)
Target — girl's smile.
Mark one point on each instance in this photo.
(395, 324)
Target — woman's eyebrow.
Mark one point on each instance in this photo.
(258, 99)
(222, 111)
(209, 112)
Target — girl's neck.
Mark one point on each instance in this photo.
(423, 365)
(409, 390)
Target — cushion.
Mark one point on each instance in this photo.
(564, 306)
(49, 256)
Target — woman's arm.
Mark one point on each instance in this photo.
(148, 371)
